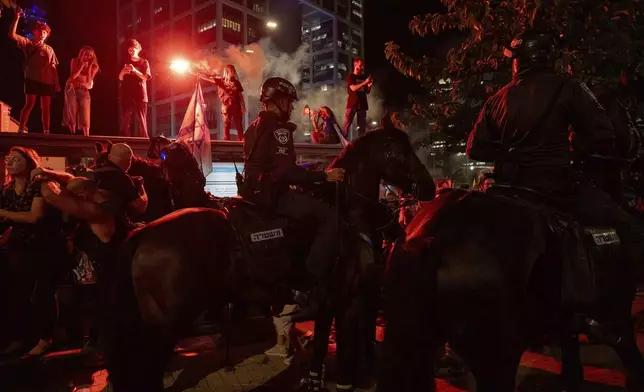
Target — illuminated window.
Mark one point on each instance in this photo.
(231, 21)
(143, 15)
(181, 6)
(161, 11)
(344, 39)
(258, 6)
(356, 42)
(356, 12)
(206, 21)
(322, 37)
(207, 26)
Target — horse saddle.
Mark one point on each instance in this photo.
(590, 254)
(263, 240)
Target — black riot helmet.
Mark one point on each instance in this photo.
(532, 47)
(277, 88)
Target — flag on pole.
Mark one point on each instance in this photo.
(194, 132)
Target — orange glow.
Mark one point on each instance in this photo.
(180, 66)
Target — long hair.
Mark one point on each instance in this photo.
(230, 73)
(30, 155)
(90, 50)
(331, 114)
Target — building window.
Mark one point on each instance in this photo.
(181, 6)
(344, 66)
(232, 24)
(343, 8)
(163, 120)
(126, 20)
(161, 11)
(182, 33)
(329, 5)
(323, 67)
(356, 42)
(258, 6)
(180, 108)
(210, 98)
(322, 35)
(142, 18)
(161, 44)
(206, 25)
(256, 30)
(344, 39)
(356, 12)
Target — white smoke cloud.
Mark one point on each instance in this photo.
(259, 61)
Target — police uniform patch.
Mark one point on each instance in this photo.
(594, 98)
(282, 135)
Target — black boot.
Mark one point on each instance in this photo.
(314, 382)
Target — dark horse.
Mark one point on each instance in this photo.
(176, 267)
(486, 273)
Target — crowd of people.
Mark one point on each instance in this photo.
(41, 83)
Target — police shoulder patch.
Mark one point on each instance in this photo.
(282, 135)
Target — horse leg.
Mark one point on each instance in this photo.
(626, 348)
(572, 372)
(495, 371)
(348, 341)
(228, 365)
(321, 333)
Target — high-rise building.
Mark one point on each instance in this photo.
(168, 28)
(334, 31)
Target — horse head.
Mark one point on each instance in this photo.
(102, 152)
(385, 154)
(184, 174)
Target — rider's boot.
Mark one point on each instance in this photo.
(314, 382)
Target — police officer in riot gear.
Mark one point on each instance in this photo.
(524, 129)
(270, 169)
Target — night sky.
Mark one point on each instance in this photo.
(84, 22)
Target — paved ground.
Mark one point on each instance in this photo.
(198, 367)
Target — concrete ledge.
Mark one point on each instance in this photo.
(72, 146)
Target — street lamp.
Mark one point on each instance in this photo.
(271, 24)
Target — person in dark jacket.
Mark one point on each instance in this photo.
(270, 169)
(524, 129)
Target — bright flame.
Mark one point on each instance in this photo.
(374, 123)
(271, 24)
(180, 66)
(250, 51)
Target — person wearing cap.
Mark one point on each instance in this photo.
(524, 130)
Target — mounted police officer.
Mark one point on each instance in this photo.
(270, 169)
(524, 129)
